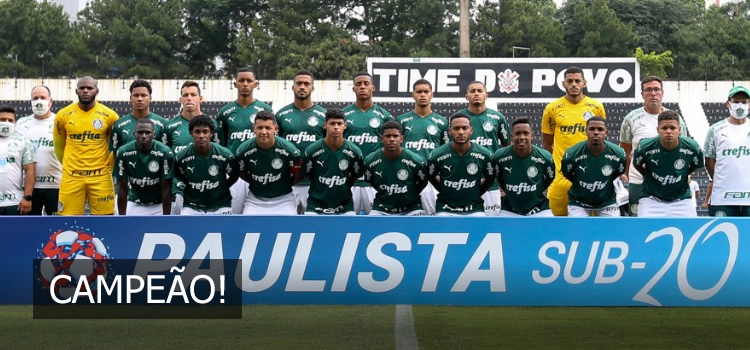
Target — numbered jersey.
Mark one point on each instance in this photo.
(329, 172)
(566, 121)
(396, 181)
(205, 177)
(461, 178)
(301, 128)
(729, 144)
(39, 131)
(639, 125)
(424, 134)
(593, 176)
(270, 171)
(665, 178)
(15, 152)
(144, 171)
(524, 180)
(236, 123)
(124, 130)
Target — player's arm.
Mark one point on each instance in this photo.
(697, 162)
(639, 160)
(568, 167)
(488, 177)
(232, 170)
(295, 166)
(628, 148)
(59, 136)
(421, 176)
(122, 195)
(548, 129)
(709, 189)
(503, 133)
(710, 166)
(710, 152)
(357, 169)
(29, 180)
(166, 196)
(549, 173)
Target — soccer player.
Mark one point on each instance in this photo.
(364, 120)
(524, 172)
(81, 139)
(301, 123)
(397, 174)
(124, 129)
(236, 125)
(727, 148)
(591, 166)
(424, 131)
(641, 124)
(461, 171)
(491, 130)
(563, 125)
(333, 165)
(16, 159)
(665, 162)
(178, 132)
(207, 169)
(146, 167)
(270, 165)
(38, 129)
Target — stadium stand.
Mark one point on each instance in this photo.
(715, 111)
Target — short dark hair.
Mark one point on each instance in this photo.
(141, 83)
(573, 70)
(392, 124)
(596, 118)
(44, 86)
(362, 74)
(668, 115)
(458, 115)
(335, 114)
(520, 120)
(304, 72)
(649, 79)
(266, 115)
(475, 82)
(247, 70)
(201, 120)
(421, 82)
(191, 83)
(8, 109)
(144, 121)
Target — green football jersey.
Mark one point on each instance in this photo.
(269, 170)
(236, 123)
(460, 178)
(424, 134)
(491, 130)
(592, 176)
(124, 130)
(144, 171)
(363, 128)
(524, 180)
(396, 181)
(666, 171)
(301, 128)
(205, 178)
(329, 172)
(178, 138)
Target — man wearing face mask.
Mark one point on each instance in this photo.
(727, 150)
(38, 129)
(16, 158)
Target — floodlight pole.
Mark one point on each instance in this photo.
(463, 28)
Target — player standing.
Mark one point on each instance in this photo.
(16, 160)
(124, 129)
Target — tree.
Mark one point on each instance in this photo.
(592, 29)
(653, 63)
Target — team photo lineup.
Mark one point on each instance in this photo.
(304, 159)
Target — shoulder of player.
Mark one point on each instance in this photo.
(284, 110)
(217, 148)
(721, 124)
(690, 142)
(502, 152)
(377, 109)
(441, 150)
(495, 114)
(353, 147)
(484, 151)
(224, 108)
(401, 117)
(372, 158)
(560, 102)
(286, 145)
(648, 142)
(541, 152)
(157, 118)
(161, 147)
(616, 149)
(261, 106)
(633, 114)
(413, 156)
(108, 112)
(127, 147)
(590, 101)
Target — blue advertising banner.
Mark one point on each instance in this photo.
(414, 260)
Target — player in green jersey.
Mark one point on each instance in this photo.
(592, 166)
(665, 162)
(207, 169)
(270, 165)
(178, 132)
(424, 131)
(491, 130)
(236, 125)
(461, 171)
(524, 172)
(332, 164)
(397, 174)
(124, 129)
(301, 123)
(144, 173)
(364, 119)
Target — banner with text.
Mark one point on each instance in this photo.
(511, 79)
(417, 260)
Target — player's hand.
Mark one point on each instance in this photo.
(24, 207)
(704, 205)
(624, 178)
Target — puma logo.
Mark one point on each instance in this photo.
(508, 169)
(379, 173)
(132, 164)
(407, 128)
(126, 131)
(583, 168)
(350, 122)
(288, 120)
(192, 169)
(448, 167)
(656, 162)
(231, 119)
(254, 161)
(177, 133)
(319, 162)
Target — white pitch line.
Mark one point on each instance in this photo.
(406, 337)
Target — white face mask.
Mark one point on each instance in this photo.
(738, 110)
(40, 107)
(7, 128)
